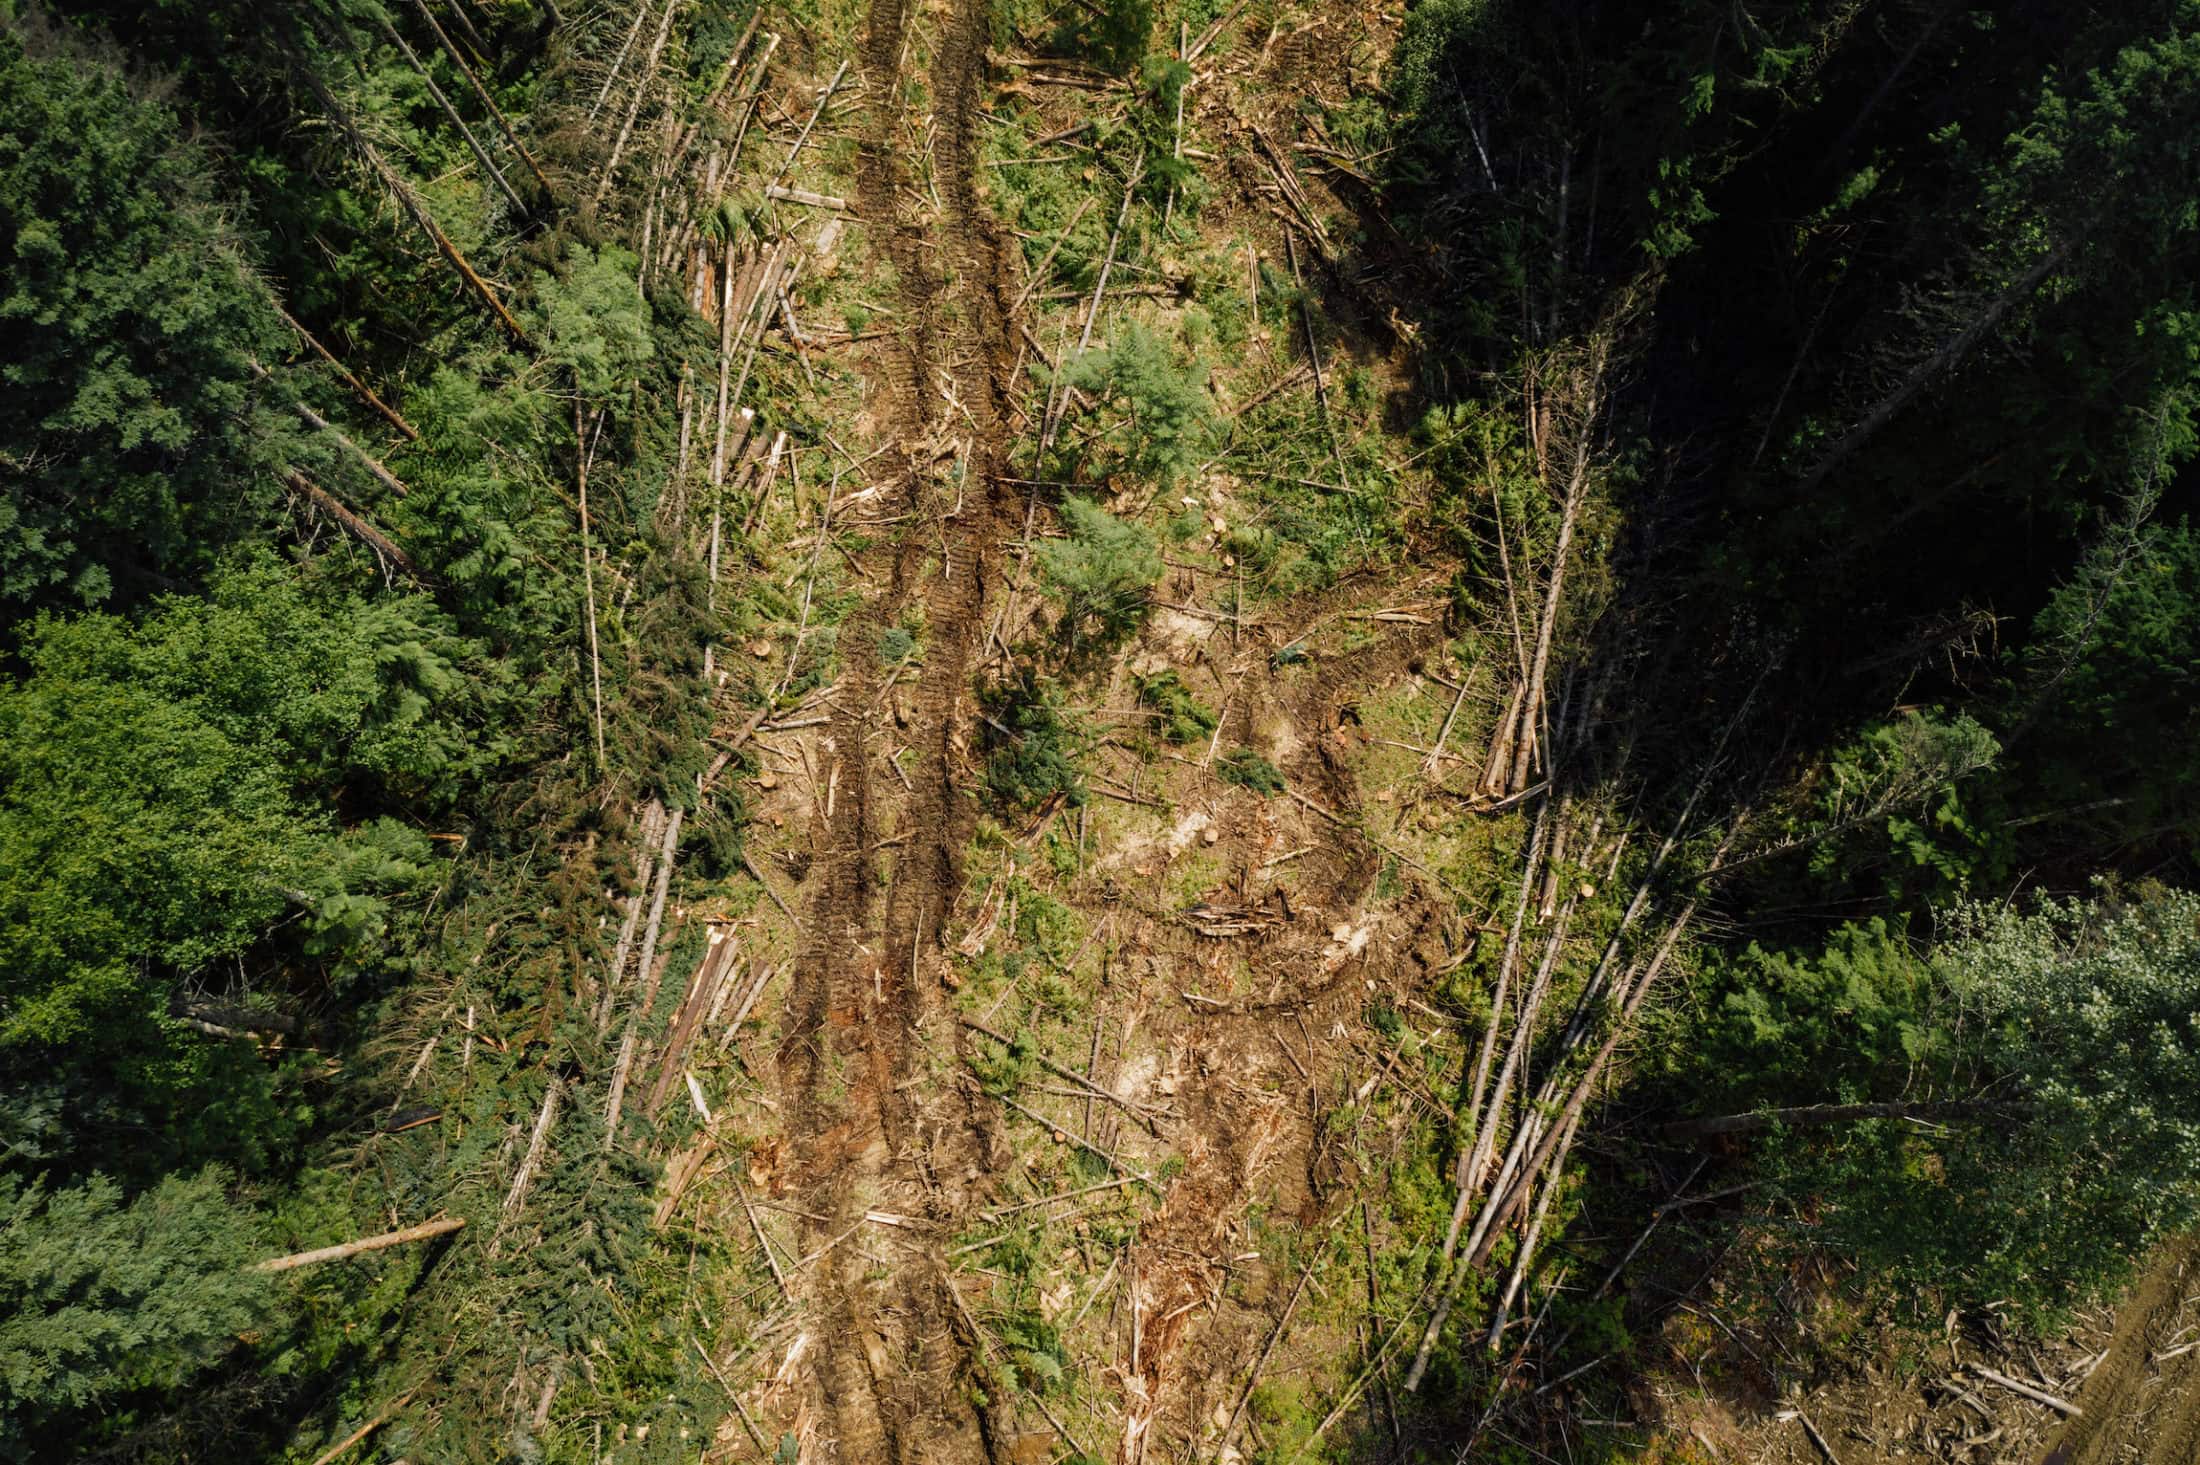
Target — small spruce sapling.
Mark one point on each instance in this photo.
(1166, 419)
(1248, 769)
(1034, 746)
(1179, 716)
(1100, 572)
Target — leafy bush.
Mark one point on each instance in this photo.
(133, 438)
(1889, 815)
(167, 794)
(594, 322)
(1007, 1071)
(1153, 118)
(2069, 1027)
(1035, 1351)
(2116, 654)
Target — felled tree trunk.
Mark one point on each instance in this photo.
(425, 1231)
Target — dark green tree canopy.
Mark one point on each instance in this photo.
(133, 433)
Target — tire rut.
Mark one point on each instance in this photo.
(892, 1358)
(2142, 1401)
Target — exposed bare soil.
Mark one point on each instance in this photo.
(890, 1349)
(2125, 1368)
(1249, 934)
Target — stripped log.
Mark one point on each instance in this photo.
(1476, 1156)
(371, 463)
(653, 822)
(651, 975)
(481, 154)
(545, 1119)
(389, 1411)
(383, 547)
(1927, 1111)
(425, 1231)
(641, 94)
(359, 388)
(2015, 1386)
(710, 972)
(804, 196)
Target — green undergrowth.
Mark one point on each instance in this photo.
(1179, 717)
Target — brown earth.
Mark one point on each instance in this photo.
(2142, 1401)
(1225, 1045)
(889, 1355)
(2127, 1369)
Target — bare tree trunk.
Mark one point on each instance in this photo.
(618, 62)
(336, 1451)
(503, 123)
(545, 1119)
(1473, 1158)
(588, 582)
(1526, 1254)
(652, 823)
(650, 977)
(641, 93)
(1503, 1207)
(1816, 1114)
(481, 154)
(1516, 1054)
(1099, 291)
(804, 136)
(718, 448)
(710, 974)
(425, 1231)
(1527, 748)
(1926, 372)
(684, 137)
(411, 203)
(315, 420)
(384, 548)
(754, 91)
(364, 392)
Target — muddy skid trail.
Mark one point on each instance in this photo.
(891, 1352)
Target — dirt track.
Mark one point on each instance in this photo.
(891, 1358)
(2142, 1402)
(881, 1116)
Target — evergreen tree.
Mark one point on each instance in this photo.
(1166, 418)
(135, 437)
(101, 1298)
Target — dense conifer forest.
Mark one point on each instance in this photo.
(1122, 730)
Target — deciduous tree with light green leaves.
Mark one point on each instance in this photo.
(2014, 1115)
(168, 794)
